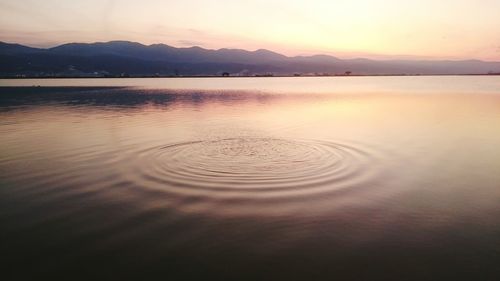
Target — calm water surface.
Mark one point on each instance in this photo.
(361, 178)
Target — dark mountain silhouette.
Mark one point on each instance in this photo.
(119, 58)
(165, 53)
(13, 49)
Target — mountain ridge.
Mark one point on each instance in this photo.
(127, 58)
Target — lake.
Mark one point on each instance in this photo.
(309, 178)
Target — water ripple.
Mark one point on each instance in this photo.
(253, 166)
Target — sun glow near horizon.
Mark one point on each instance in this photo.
(446, 29)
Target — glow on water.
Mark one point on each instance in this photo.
(179, 177)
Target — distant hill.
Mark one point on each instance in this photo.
(123, 58)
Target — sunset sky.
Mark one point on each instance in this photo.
(445, 29)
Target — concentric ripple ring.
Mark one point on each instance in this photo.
(253, 165)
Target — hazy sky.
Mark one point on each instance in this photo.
(455, 29)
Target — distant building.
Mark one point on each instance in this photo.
(268, 74)
(244, 73)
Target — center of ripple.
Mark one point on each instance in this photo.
(243, 157)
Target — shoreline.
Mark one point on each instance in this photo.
(258, 76)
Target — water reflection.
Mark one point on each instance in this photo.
(134, 183)
(111, 97)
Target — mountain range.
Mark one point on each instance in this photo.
(123, 58)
